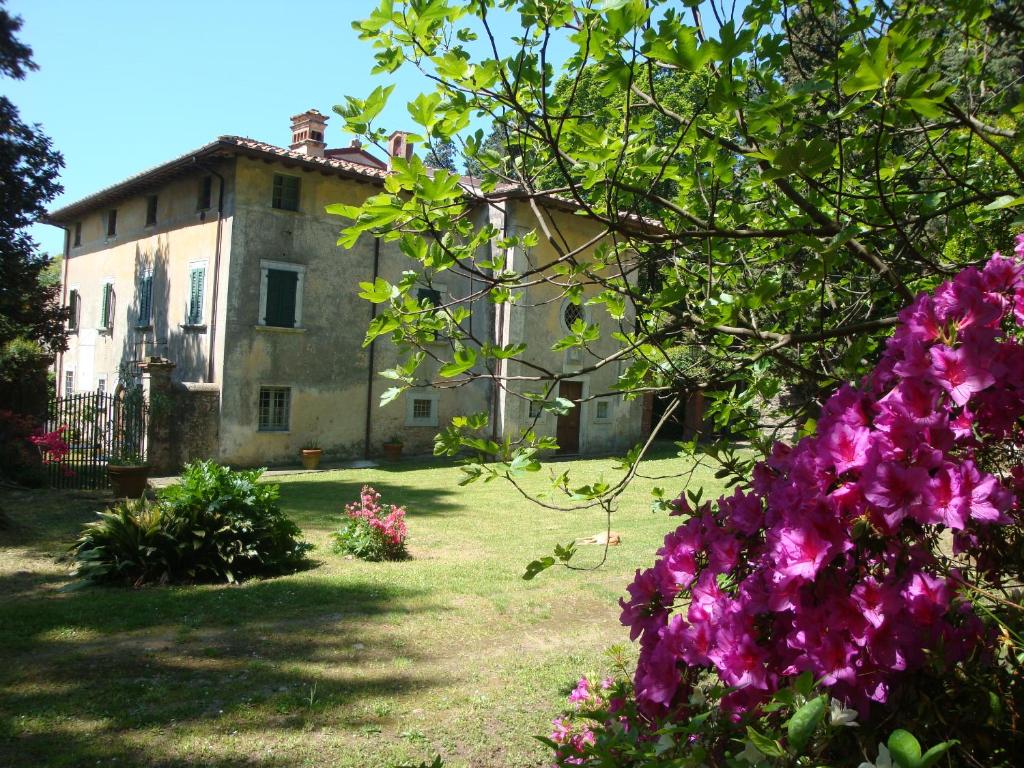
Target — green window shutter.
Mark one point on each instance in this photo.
(105, 309)
(195, 295)
(145, 299)
(282, 290)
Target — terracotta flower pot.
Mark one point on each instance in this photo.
(311, 457)
(128, 482)
(392, 451)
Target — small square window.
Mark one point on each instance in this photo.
(205, 193)
(286, 192)
(78, 233)
(274, 409)
(151, 210)
(422, 409)
(602, 410)
(112, 222)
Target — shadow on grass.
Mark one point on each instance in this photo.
(321, 503)
(85, 670)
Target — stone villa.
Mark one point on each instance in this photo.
(224, 262)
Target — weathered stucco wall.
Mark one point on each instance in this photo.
(182, 236)
(537, 321)
(323, 362)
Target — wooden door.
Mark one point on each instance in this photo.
(568, 429)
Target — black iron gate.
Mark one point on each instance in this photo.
(99, 427)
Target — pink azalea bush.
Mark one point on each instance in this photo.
(856, 555)
(52, 446)
(372, 531)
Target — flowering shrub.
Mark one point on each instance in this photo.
(52, 446)
(373, 531)
(856, 556)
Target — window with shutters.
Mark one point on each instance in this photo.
(286, 192)
(74, 310)
(196, 290)
(151, 202)
(274, 409)
(107, 307)
(145, 318)
(205, 193)
(281, 294)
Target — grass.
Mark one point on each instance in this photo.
(345, 664)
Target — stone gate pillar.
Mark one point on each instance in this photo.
(159, 397)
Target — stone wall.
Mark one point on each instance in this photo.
(195, 429)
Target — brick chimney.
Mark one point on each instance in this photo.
(308, 133)
(399, 146)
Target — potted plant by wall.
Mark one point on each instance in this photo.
(128, 474)
(311, 453)
(393, 448)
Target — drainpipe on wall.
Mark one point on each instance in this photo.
(369, 376)
(59, 383)
(216, 277)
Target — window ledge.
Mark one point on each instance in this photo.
(278, 329)
(146, 327)
(271, 431)
(193, 327)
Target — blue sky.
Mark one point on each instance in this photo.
(124, 85)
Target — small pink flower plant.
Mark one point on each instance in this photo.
(373, 531)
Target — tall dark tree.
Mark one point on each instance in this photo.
(442, 154)
(32, 320)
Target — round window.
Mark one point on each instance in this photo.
(571, 313)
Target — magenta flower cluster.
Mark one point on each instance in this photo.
(52, 446)
(387, 520)
(831, 562)
(572, 738)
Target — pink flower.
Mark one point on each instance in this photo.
(959, 373)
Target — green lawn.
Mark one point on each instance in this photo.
(345, 664)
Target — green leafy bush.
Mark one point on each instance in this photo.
(372, 531)
(215, 525)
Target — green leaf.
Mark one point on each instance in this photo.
(904, 748)
(537, 566)
(769, 746)
(803, 723)
(390, 394)
(931, 757)
(1003, 201)
(464, 360)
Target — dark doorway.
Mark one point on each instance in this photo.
(568, 429)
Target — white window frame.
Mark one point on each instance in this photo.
(265, 266)
(412, 420)
(608, 403)
(101, 384)
(71, 372)
(187, 323)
